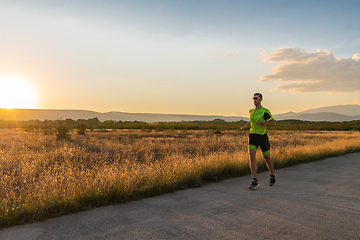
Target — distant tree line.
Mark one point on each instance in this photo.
(217, 124)
(294, 124)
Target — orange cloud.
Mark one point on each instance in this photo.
(313, 72)
(356, 57)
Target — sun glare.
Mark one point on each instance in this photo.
(16, 92)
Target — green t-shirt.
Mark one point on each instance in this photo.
(260, 115)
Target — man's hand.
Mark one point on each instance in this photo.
(258, 124)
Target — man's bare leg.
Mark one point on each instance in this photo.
(269, 164)
(253, 169)
(253, 164)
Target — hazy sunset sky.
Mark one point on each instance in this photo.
(186, 57)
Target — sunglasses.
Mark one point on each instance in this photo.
(255, 98)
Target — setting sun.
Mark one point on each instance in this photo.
(16, 92)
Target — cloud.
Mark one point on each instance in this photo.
(313, 72)
(356, 57)
(226, 55)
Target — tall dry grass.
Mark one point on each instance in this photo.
(42, 177)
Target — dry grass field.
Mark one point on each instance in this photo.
(41, 177)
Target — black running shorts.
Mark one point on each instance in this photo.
(256, 140)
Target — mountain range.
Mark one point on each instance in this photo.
(336, 113)
(330, 113)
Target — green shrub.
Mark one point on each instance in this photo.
(81, 129)
(62, 131)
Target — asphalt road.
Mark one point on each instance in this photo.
(319, 200)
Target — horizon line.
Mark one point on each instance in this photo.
(118, 111)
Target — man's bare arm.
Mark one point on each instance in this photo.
(245, 126)
(270, 123)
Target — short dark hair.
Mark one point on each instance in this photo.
(259, 94)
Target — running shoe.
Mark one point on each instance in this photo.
(254, 185)
(272, 180)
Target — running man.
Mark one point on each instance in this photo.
(260, 118)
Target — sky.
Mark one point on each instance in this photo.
(202, 57)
